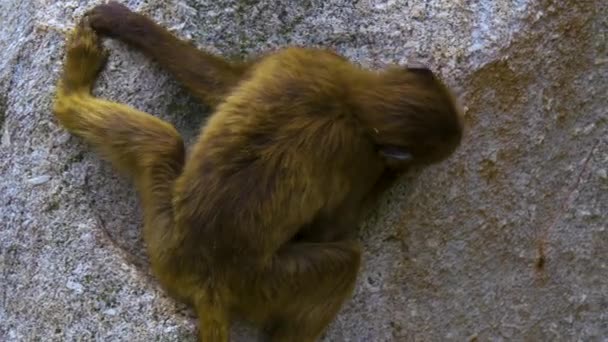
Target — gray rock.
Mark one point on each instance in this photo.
(507, 240)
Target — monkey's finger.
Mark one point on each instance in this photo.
(108, 18)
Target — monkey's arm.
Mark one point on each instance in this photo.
(337, 227)
(342, 223)
(207, 76)
(387, 179)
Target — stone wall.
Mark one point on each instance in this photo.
(507, 240)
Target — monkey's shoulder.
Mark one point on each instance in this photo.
(297, 85)
(304, 66)
(294, 55)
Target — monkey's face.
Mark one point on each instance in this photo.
(421, 123)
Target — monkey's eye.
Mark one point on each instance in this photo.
(400, 154)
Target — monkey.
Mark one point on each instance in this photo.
(256, 220)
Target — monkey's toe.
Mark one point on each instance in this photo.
(84, 57)
(84, 43)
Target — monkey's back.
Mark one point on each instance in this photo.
(282, 149)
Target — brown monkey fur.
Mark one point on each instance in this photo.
(255, 222)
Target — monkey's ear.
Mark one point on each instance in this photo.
(394, 153)
(419, 68)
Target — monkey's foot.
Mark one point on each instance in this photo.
(84, 58)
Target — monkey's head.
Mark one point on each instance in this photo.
(412, 117)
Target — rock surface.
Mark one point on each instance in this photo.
(506, 240)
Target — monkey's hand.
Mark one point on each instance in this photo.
(114, 20)
(332, 228)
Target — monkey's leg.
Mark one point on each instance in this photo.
(146, 148)
(208, 77)
(305, 288)
(213, 320)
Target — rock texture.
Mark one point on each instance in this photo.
(508, 240)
